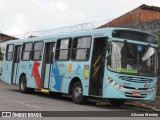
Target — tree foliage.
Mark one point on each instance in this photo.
(1, 54)
(158, 34)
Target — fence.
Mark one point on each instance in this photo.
(63, 30)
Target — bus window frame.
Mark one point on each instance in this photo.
(69, 49)
(9, 52)
(81, 48)
(32, 52)
(129, 73)
(30, 56)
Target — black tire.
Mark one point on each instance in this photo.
(23, 85)
(77, 94)
(117, 102)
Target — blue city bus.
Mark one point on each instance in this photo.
(110, 63)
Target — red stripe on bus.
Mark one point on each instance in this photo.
(36, 75)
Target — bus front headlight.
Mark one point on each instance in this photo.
(153, 88)
(113, 83)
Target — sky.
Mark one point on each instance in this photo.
(20, 16)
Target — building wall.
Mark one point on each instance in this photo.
(149, 26)
(144, 18)
(129, 17)
(149, 15)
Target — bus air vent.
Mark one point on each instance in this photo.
(136, 79)
(129, 87)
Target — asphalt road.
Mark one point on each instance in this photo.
(12, 100)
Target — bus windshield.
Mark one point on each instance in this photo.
(133, 58)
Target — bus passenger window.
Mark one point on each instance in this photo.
(37, 51)
(81, 48)
(27, 47)
(9, 52)
(63, 49)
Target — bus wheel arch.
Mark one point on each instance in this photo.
(22, 74)
(23, 84)
(73, 81)
(77, 91)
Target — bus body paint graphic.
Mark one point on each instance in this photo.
(77, 71)
(36, 75)
(57, 76)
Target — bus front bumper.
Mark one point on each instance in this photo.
(114, 93)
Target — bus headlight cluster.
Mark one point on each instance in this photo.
(113, 83)
(152, 89)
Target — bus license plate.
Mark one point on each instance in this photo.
(136, 94)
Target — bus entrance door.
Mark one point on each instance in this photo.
(47, 64)
(97, 66)
(16, 60)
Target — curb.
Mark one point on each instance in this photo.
(142, 106)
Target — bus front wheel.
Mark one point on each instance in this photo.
(77, 93)
(117, 102)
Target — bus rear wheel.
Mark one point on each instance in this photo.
(23, 85)
(77, 94)
(117, 102)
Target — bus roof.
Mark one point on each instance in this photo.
(106, 31)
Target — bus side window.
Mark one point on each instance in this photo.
(9, 52)
(81, 48)
(37, 51)
(63, 49)
(26, 51)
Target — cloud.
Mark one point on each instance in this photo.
(30, 15)
(18, 16)
(17, 24)
(61, 6)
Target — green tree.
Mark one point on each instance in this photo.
(158, 34)
(1, 54)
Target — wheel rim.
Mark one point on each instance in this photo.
(22, 85)
(78, 92)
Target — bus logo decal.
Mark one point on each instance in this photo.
(36, 75)
(86, 71)
(126, 84)
(77, 69)
(57, 76)
(61, 65)
(146, 85)
(69, 68)
(23, 67)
